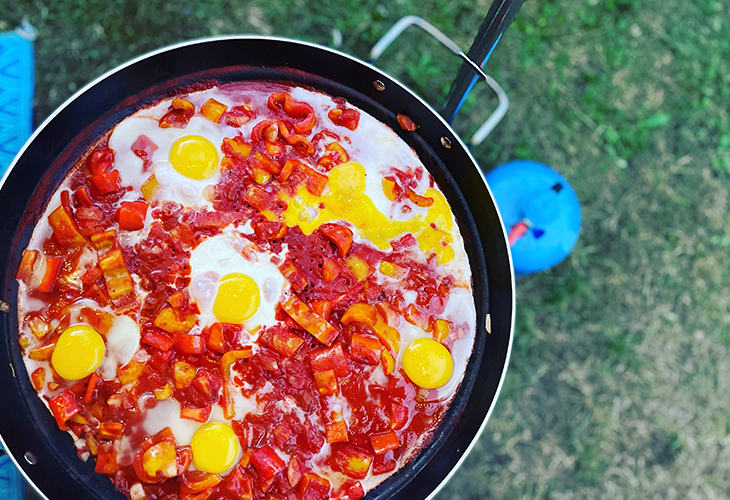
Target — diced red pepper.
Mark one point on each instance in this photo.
(350, 490)
(100, 161)
(190, 344)
(25, 269)
(326, 382)
(90, 388)
(38, 378)
(341, 236)
(269, 230)
(294, 471)
(291, 272)
(160, 359)
(240, 115)
(334, 156)
(360, 312)
(330, 358)
(132, 215)
(105, 183)
(421, 201)
(82, 198)
(348, 118)
(158, 339)
(282, 341)
(197, 414)
(64, 407)
(384, 442)
(53, 266)
(227, 361)
(365, 349)
(106, 460)
(398, 416)
(184, 459)
(267, 463)
(310, 321)
(314, 487)
(195, 481)
(65, 229)
(406, 123)
(214, 338)
(353, 462)
(294, 109)
(178, 115)
(238, 483)
(111, 430)
(336, 432)
(208, 384)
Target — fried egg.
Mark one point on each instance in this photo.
(231, 288)
(184, 162)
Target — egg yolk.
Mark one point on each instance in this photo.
(237, 299)
(79, 352)
(346, 200)
(427, 363)
(215, 447)
(194, 156)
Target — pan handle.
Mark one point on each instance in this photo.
(499, 17)
(473, 67)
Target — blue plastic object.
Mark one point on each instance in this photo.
(12, 485)
(531, 193)
(16, 93)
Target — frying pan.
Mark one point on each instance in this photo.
(29, 434)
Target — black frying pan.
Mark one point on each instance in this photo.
(29, 433)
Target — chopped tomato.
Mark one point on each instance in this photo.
(340, 235)
(336, 432)
(190, 344)
(314, 487)
(348, 118)
(330, 358)
(353, 462)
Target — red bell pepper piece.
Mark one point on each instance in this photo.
(330, 358)
(314, 487)
(267, 463)
(105, 183)
(100, 161)
(65, 229)
(350, 490)
(398, 416)
(384, 442)
(294, 109)
(336, 432)
(197, 414)
(111, 430)
(158, 339)
(322, 307)
(190, 344)
(131, 215)
(227, 361)
(214, 338)
(25, 269)
(238, 483)
(89, 394)
(282, 341)
(53, 266)
(82, 198)
(365, 349)
(310, 321)
(341, 236)
(64, 407)
(348, 118)
(160, 359)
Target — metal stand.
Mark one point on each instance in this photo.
(408, 21)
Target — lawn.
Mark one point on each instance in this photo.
(619, 383)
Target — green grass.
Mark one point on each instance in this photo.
(619, 384)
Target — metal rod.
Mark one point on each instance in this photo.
(500, 16)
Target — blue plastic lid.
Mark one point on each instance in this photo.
(542, 200)
(16, 95)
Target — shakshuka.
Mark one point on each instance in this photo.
(249, 291)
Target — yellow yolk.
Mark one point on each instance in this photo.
(79, 352)
(346, 200)
(194, 156)
(237, 298)
(427, 363)
(215, 447)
